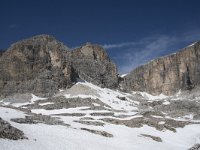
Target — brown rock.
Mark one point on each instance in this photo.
(167, 74)
(92, 64)
(42, 65)
(37, 65)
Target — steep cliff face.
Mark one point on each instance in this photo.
(167, 74)
(92, 64)
(42, 65)
(36, 65)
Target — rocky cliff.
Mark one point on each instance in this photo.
(167, 74)
(36, 65)
(92, 64)
(42, 65)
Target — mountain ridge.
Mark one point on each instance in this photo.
(167, 74)
(59, 66)
(43, 65)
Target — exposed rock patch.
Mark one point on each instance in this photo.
(9, 132)
(170, 124)
(94, 123)
(195, 147)
(38, 118)
(102, 133)
(155, 138)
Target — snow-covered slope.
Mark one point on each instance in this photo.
(87, 117)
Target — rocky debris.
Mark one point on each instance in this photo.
(94, 123)
(138, 122)
(195, 147)
(70, 114)
(60, 102)
(155, 138)
(167, 74)
(9, 132)
(102, 133)
(149, 113)
(25, 120)
(18, 98)
(91, 63)
(102, 114)
(86, 118)
(36, 65)
(176, 108)
(38, 118)
(122, 98)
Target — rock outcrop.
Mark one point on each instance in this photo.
(35, 65)
(92, 64)
(42, 65)
(9, 132)
(167, 74)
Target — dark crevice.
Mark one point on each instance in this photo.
(189, 84)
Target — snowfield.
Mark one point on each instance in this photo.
(104, 119)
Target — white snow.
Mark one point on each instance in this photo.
(58, 137)
(161, 122)
(156, 116)
(107, 96)
(47, 103)
(53, 137)
(95, 104)
(36, 98)
(166, 103)
(123, 75)
(192, 44)
(61, 90)
(152, 97)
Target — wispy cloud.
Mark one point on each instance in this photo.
(13, 26)
(130, 55)
(119, 45)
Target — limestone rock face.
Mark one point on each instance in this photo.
(37, 65)
(42, 65)
(92, 64)
(167, 74)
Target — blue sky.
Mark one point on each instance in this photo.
(132, 31)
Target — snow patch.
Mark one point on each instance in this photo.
(123, 75)
(152, 97)
(166, 103)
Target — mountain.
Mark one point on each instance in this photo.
(167, 75)
(92, 64)
(34, 65)
(54, 98)
(42, 65)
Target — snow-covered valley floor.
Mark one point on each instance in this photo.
(87, 117)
